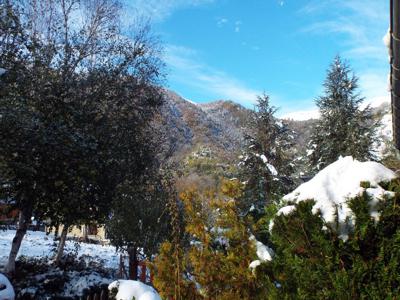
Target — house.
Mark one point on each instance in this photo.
(91, 232)
(8, 215)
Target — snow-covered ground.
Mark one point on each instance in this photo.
(40, 246)
(37, 244)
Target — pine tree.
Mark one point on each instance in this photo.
(343, 128)
(266, 164)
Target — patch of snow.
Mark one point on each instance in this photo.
(80, 282)
(131, 289)
(8, 292)
(287, 210)
(263, 158)
(271, 225)
(272, 169)
(38, 244)
(190, 101)
(254, 264)
(385, 134)
(310, 152)
(264, 252)
(2, 71)
(334, 185)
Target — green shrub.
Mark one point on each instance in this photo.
(312, 262)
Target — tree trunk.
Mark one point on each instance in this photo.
(133, 263)
(23, 221)
(85, 233)
(61, 244)
(56, 230)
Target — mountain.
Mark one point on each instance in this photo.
(186, 126)
(219, 128)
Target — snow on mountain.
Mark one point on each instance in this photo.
(185, 124)
(385, 131)
(312, 114)
(334, 185)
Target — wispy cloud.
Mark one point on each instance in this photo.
(222, 21)
(187, 68)
(238, 24)
(361, 25)
(158, 10)
(302, 115)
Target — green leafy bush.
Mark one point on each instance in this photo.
(312, 262)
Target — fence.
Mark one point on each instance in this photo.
(144, 273)
(96, 293)
(102, 293)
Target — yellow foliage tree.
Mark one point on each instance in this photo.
(217, 258)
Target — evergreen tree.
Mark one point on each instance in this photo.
(344, 128)
(267, 163)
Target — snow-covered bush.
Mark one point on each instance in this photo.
(338, 236)
(333, 186)
(6, 289)
(132, 289)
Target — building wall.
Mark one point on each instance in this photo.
(79, 232)
(7, 214)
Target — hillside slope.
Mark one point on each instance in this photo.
(185, 126)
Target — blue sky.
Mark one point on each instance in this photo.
(237, 49)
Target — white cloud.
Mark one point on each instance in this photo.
(361, 25)
(302, 115)
(158, 10)
(222, 21)
(237, 26)
(188, 69)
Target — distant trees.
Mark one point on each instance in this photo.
(343, 128)
(75, 107)
(266, 163)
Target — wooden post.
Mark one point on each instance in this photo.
(142, 272)
(104, 292)
(133, 263)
